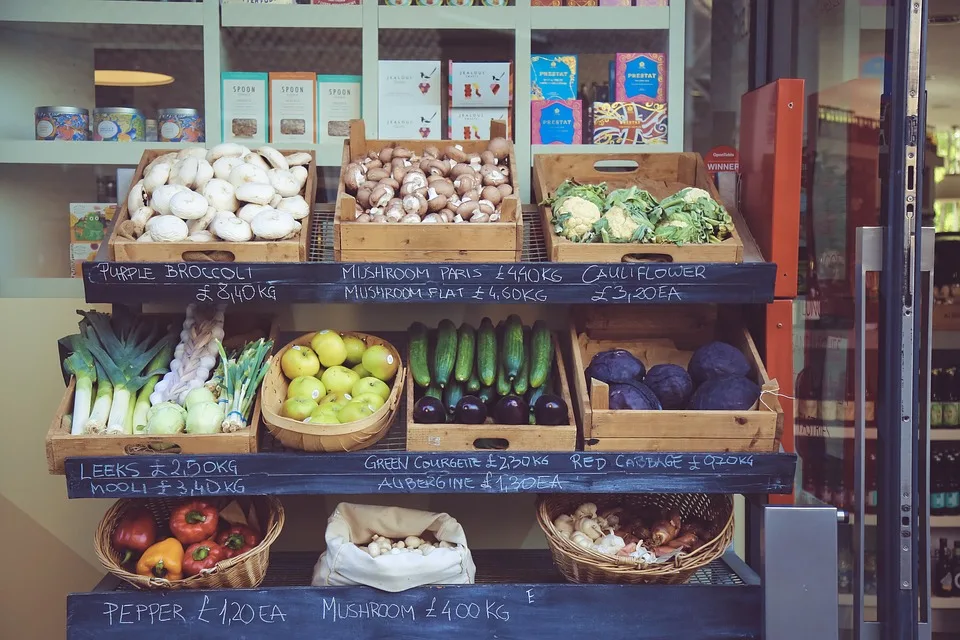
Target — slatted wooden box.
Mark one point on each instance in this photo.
(294, 250)
(500, 241)
(662, 174)
(60, 444)
(659, 335)
(477, 437)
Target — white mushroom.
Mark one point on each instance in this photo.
(255, 192)
(201, 236)
(426, 548)
(188, 205)
(157, 177)
(231, 229)
(226, 150)
(223, 166)
(140, 218)
(136, 198)
(276, 200)
(162, 195)
(295, 206)
(248, 173)
(166, 158)
(256, 160)
(146, 237)
(284, 182)
(272, 224)
(220, 194)
(201, 224)
(204, 174)
(185, 172)
(300, 173)
(299, 158)
(250, 210)
(192, 152)
(274, 157)
(167, 229)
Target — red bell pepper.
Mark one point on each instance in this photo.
(238, 539)
(194, 521)
(135, 533)
(202, 555)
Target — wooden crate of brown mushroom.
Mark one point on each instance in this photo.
(420, 201)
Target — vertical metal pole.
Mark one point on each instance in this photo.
(759, 43)
(897, 417)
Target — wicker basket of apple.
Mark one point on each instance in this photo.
(332, 391)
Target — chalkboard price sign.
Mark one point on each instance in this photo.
(409, 472)
(531, 283)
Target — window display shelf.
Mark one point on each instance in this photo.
(518, 594)
(600, 17)
(936, 522)
(624, 149)
(103, 12)
(89, 152)
(292, 15)
(504, 18)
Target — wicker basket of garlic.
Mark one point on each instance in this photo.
(227, 203)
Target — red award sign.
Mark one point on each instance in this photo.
(722, 159)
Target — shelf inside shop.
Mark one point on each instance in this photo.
(88, 152)
(600, 18)
(291, 15)
(613, 149)
(533, 281)
(518, 594)
(413, 17)
(846, 600)
(103, 12)
(936, 522)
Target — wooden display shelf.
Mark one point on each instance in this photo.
(519, 594)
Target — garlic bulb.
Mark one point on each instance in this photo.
(586, 510)
(564, 523)
(611, 543)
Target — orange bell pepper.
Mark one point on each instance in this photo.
(162, 560)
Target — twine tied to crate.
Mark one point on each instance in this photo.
(772, 388)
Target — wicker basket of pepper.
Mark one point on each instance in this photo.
(700, 525)
(189, 543)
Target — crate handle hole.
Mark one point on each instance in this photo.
(616, 166)
(647, 257)
(152, 449)
(498, 444)
(208, 256)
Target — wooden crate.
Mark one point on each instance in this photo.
(525, 437)
(500, 241)
(60, 444)
(659, 335)
(294, 250)
(662, 174)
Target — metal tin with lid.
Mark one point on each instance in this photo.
(119, 124)
(180, 125)
(61, 123)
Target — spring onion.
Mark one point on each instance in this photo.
(125, 347)
(81, 365)
(241, 379)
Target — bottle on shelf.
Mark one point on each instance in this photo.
(938, 497)
(943, 573)
(936, 404)
(951, 401)
(808, 403)
(951, 482)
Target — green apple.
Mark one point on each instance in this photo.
(355, 348)
(335, 399)
(379, 361)
(354, 411)
(326, 414)
(363, 373)
(338, 379)
(299, 361)
(298, 408)
(329, 347)
(372, 400)
(371, 385)
(306, 387)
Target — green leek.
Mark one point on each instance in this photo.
(241, 379)
(97, 422)
(81, 365)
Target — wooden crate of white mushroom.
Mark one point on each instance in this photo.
(224, 204)
(635, 538)
(424, 201)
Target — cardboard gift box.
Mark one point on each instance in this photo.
(556, 121)
(641, 77)
(629, 123)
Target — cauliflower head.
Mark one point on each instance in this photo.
(574, 218)
(620, 225)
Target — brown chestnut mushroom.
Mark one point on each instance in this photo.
(456, 152)
(506, 189)
(415, 177)
(443, 187)
(381, 195)
(480, 217)
(390, 182)
(487, 157)
(500, 147)
(432, 218)
(369, 184)
(386, 154)
(373, 154)
(401, 152)
(437, 168)
(492, 176)
(415, 203)
(435, 201)
(363, 217)
(472, 195)
(487, 207)
(431, 152)
(353, 177)
(372, 163)
(467, 209)
(378, 218)
(466, 183)
(399, 171)
(410, 218)
(448, 215)
(462, 169)
(363, 197)
(492, 194)
(377, 174)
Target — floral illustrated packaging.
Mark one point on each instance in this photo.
(243, 103)
(81, 252)
(553, 77)
(641, 78)
(409, 123)
(556, 121)
(88, 221)
(474, 124)
(481, 84)
(629, 123)
(293, 107)
(338, 102)
(545, 3)
(409, 83)
(581, 3)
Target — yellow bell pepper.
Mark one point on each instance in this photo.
(162, 560)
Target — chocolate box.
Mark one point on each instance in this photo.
(641, 78)
(553, 77)
(481, 84)
(474, 124)
(556, 121)
(629, 123)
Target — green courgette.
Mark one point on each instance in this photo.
(419, 349)
(434, 391)
(451, 396)
(473, 384)
(466, 349)
(541, 353)
(488, 394)
(503, 382)
(487, 352)
(445, 353)
(512, 346)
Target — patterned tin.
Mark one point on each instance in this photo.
(629, 123)
(119, 124)
(61, 123)
(180, 125)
